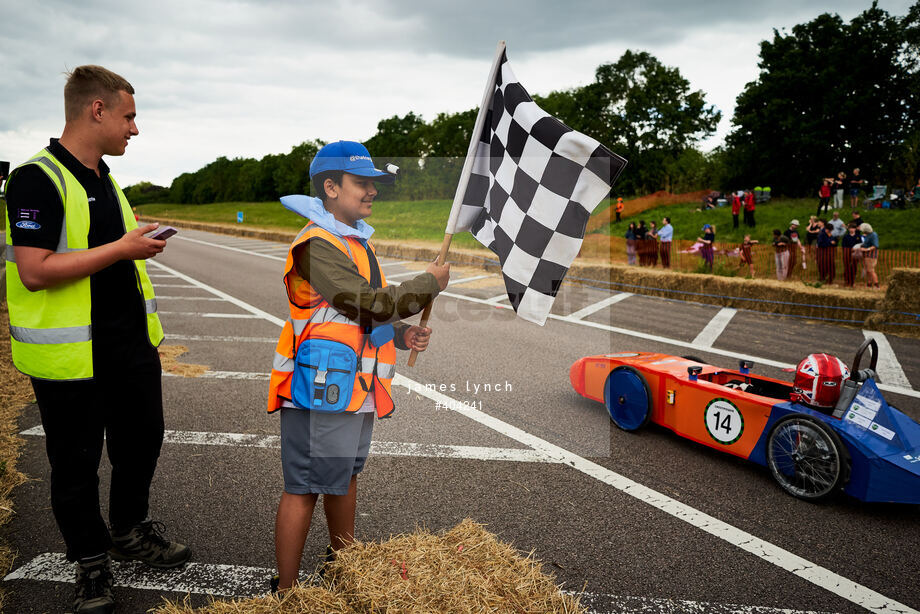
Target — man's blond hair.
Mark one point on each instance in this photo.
(88, 83)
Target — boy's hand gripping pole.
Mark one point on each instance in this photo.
(442, 258)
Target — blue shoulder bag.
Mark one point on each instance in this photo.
(324, 375)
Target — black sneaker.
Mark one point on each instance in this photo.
(274, 583)
(93, 594)
(330, 556)
(145, 543)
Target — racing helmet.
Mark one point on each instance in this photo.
(818, 380)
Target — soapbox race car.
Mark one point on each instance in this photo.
(860, 445)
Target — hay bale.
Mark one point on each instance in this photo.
(902, 298)
(15, 393)
(169, 362)
(464, 570)
(298, 600)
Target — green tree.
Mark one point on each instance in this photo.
(292, 175)
(643, 110)
(830, 96)
(146, 192)
(398, 137)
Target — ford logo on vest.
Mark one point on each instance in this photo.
(28, 225)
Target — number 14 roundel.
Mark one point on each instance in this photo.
(724, 422)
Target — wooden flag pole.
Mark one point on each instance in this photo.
(464, 176)
(442, 258)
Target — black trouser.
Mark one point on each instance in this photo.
(735, 220)
(749, 218)
(126, 408)
(823, 202)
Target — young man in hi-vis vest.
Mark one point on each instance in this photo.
(84, 326)
(336, 356)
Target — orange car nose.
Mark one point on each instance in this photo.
(577, 375)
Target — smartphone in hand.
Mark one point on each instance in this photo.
(162, 233)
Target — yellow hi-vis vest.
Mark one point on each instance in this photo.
(312, 316)
(51, 329)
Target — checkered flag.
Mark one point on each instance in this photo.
(531, 186)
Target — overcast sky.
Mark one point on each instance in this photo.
(248, 78)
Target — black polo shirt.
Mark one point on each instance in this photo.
(119, 323)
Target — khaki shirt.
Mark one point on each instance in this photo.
(336, 278)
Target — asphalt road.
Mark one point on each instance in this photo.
(643, 522)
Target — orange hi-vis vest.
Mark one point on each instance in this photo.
(313, 317)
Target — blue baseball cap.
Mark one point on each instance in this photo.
(350, 157)
(705, 226)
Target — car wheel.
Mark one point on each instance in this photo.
(807, 458)
(627, 397)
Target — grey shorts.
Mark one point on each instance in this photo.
(321, 451)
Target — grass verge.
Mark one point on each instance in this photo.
(15, 393)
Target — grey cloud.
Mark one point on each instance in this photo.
(467, 28)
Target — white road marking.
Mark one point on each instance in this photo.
(156, 275)
(610, 300)
(715, 328)
(189, 298)
(232, 249)
(768, 552)
(241, 304)
(395, 263)
(241, 375)
(222, 338)
(889, 369)
(244, 581)
(469, 279)
(614, 604)
(240, 243)
(495, 300)
(383, 448)
(404, 274)
(199, 578)
(198, 314)
(158, 285)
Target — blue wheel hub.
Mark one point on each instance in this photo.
(627, 399)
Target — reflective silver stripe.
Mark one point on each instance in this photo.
(345, 243)
(341, 239)
(11, 252)
(51, 166)
(298, 326)
(62, 239)
(71, 334)
(303, 231)
(150, 305)
(283, 363)
(323, 315)
(385, 370)
(367, 364)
